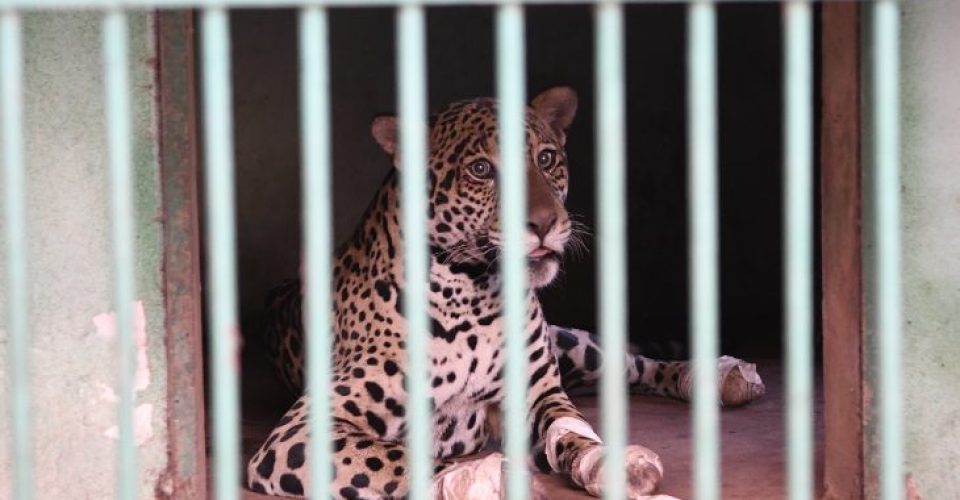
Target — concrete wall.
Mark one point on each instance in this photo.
(73, 354)
(931, 253)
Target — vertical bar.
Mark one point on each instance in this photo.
(177, 51)
(117, 102)
(318, 221)
(886, 144)
(841, 192)
(14, 181)
(511, 85)
(221, 241)
(412, 87)
(702, 123)
(611, 208)
(798, 245)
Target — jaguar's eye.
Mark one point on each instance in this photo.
(546, 158)
(481, 169)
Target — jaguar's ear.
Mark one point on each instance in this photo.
(384, 130)
(557, 106)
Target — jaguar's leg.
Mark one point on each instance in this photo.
(580, 359)
(363, 466)
(738, 382)
(562, 440)
(564, 443)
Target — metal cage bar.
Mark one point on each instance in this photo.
(704, 275)
(221, 244)
(704, 234)
(612, 242)
(117, 103)
(886, 177)
(276, 4)
(798, 245)
(412, 93)
(511, 91)
(18, 287)
(318, 236)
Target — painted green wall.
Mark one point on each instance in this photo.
(931, 238)
(73, 361)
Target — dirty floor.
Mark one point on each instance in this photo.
(752, 454)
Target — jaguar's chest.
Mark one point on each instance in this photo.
(466, 338)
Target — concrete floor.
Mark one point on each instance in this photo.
(752, 442)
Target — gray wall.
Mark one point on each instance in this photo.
(931, 245)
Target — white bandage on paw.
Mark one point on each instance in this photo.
(745, 383)
(642, 454)
(561, 427)
(751, 388)
(588, 470)
(474, 479)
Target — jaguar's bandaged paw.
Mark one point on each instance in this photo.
(644, 471)
(481, 479)
(739, 381)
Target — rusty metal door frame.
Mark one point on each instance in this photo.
(841, 194)
(186, 475)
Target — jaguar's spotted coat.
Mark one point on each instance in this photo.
(464, 305)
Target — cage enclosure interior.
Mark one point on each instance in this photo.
(560, 51)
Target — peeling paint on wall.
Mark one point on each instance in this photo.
(106, 324)
(142, 425)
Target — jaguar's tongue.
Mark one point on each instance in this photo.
(539, 252)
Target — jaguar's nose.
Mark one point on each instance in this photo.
(543, 207)
(541, 224)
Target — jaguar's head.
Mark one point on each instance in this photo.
(463, 164)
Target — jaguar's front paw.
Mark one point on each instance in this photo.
(739, 381)
(644, 471)
(480, 479)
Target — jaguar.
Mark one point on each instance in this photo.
(466, 356)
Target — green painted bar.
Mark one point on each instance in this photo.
(18, 288)
(511, 86)
(273, 4)
(221, 247)
(889, 301)
(117, 101)
(798, 245)
(704, 235)
(612, 242)
(318, 236)
(412, 97)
